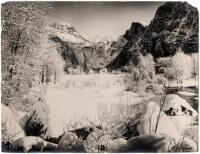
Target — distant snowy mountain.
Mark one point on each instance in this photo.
(76, 50)
(98, 39)
(111, 46)
(67, 33)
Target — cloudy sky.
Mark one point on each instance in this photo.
(103, 18)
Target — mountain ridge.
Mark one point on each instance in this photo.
(173, 28)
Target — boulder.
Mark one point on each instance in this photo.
(183, 122)
(148, 123)
(10, 128)
(37, 121)
(55, 140)
(179, 106)
(36, 126)
(117, 145)
(70, 143)
(191, 133)
(97, 141)
(148, 143)
(22, 117)
(32, 143)
(180, 112)
(83, 132)
(81, 129)
(165, 127)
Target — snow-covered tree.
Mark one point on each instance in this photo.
(162, 64)
(182, 66)
(22, 28)
(149, 65)
(52, 61)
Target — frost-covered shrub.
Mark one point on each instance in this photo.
(141, 75)
(121, 119)
(139, 86)
(182, 65)
(160, 79)
(158, 89)
(170, 74)
(179, 67)
(162, 64)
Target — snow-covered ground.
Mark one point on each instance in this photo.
(79, 97)
(187, 93)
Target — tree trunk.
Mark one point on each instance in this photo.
(11, 69)
(17, 43)
(43, 73)
(15, 46)
(47, 75)
(55, 75)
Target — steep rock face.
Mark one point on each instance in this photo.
(132, 36)
(173, 28)
(76, 50)
(115, 48)
(136, 30)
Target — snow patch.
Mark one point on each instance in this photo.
(186, 93)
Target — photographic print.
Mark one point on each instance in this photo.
(99, 77)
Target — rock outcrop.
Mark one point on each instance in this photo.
(182, 115)
(37, 121)
(76, 50)
(165, 128)
(70, 143)
(148, 143)
(32, 143)
(97, 141)
(10, 129)
(179, 105)
(117, 145)
(148, 123)
(173, 28)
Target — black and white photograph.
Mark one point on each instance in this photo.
(99, 77)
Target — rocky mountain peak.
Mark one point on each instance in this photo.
(67, 33)
(173, 15)
(174, 27)
(136, 29)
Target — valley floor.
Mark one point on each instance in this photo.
(101, 102)
(79, 97)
